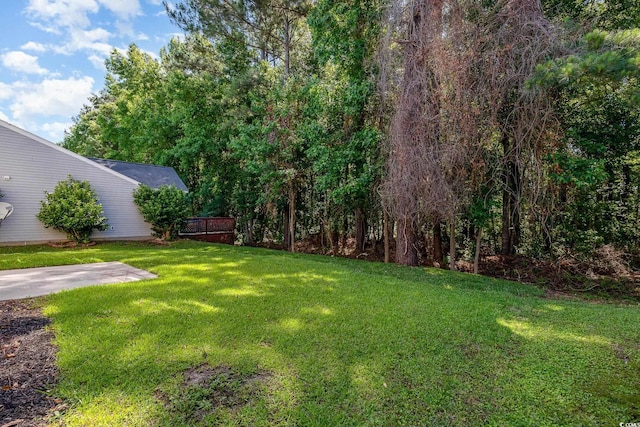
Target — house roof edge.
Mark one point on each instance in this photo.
(55, 146)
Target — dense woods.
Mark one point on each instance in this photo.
(439, 130)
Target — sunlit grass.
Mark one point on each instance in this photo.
(344, 342)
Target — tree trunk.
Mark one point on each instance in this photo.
(438, 256)
(249, 239)
(292, 218)
(335, 241)
(476, 258)
(360, 230)
(510, 201)
(287, 46)
(406, 243)
(452, 245)
(625, 194)
(327, 224)
(407, 133)
(387, 237)
(285, 235)
(345, 231)
(507, 247)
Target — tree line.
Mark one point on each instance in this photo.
(442, 129)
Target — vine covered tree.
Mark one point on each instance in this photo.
(463, 98)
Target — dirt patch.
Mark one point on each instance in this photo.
(27, 365)
(158, 242)
(65, 244)
(229, 389)
(206, 390)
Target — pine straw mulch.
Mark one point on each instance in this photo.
(27, 366)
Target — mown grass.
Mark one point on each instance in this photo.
(335, 341)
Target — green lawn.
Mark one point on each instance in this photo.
(281, 339)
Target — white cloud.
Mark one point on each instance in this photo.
(86, 40)
(124, 9)
(55, 130)
(3, 117)
(103, 48)
(50, 97)
(72, 21)
(95, 39)
(69, 15)
(63, 13)
(75, 13)
(34, 46)
(125, 28)
(5, 91)
(95, 35)
(46, 28)
(22, 62)
(97, 61)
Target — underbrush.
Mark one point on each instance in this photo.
(604, 273)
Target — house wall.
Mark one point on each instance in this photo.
(35, 165)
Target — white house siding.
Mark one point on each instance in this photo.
(30, 165)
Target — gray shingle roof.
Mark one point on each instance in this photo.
(151, 175)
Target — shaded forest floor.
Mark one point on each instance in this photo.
(608, 277)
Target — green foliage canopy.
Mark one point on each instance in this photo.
(598, 88)
(272, 110)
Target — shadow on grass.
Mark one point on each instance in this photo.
(348, 343)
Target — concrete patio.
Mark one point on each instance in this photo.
(33, 282)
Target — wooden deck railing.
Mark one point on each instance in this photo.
(210, 229)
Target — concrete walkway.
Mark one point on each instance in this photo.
(33, 282)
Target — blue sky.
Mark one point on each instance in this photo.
(52, 54)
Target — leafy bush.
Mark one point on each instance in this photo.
(165, 208)
(73, 208)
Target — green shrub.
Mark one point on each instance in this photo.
(73, 208)
(165, 208)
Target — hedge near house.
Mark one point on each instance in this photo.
(73, 208)
(165, 208)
